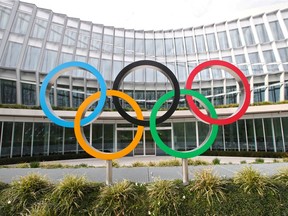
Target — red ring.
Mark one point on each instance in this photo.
(231, 68)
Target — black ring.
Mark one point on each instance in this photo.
(160, 67)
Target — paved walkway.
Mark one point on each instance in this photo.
(140, 174)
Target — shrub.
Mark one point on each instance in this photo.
(243, 162)
(124, 198)
(115, 164)
(151, 164)
(209, 186)
(166, 198)
(285, 160)
(70, 195)
(22, 165)
(138, 164)
(3, 186)
(169, 163)
(82, 165)
(197, 162)
(35, 164)
(251, 180)
(23, 193)
(216, 161)
(259, 160)
(51, 166)
(282, 176)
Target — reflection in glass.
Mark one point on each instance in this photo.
(28, 94)
(250, 134)
(97, 136)
(70, 140)
(108, 137)
(231, 141)
(285, 129)
(259, 135)
(268, 134)
(7, 92)
(56, 139)
(278, 134)
(179, 136)
(6, 139)
(40, 143)
(28, 129)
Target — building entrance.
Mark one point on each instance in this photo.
(146, 145)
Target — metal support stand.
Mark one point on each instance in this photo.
(108, 172)
(185, 172)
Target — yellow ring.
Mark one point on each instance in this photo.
(79, 130)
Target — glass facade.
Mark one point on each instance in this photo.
(32, 45)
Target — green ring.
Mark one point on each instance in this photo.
(188, 154)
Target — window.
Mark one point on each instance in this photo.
(190, 49)
(4, 17)
(28, 94)
(39, 28)
(107, 44)
(181, 68)
(223, 41)
(259, 92)
(276, 30)
(139, 46)
(283, 52)
(211, 42)
(241, 62)
(55, 33)
(262, 33)
(70, 37)
(200, 44)
(257, 67)
(83, 39)
(270, 58)
(32, 58)
(235, 38)
(274, 93)
(49, 60)
(118, 45)
(7, 92)
(20, 25)
(11, 54)
(150, 49)
(169, 48)
(129, 45)
(179, 46)
(248, 35)
(159, 47)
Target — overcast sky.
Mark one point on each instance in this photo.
(155, 14)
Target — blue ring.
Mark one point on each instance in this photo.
(57, 71)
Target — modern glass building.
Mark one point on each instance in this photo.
(35, 40)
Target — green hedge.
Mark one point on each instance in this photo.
(35, 195)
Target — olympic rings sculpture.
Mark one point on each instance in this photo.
(211, 118)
